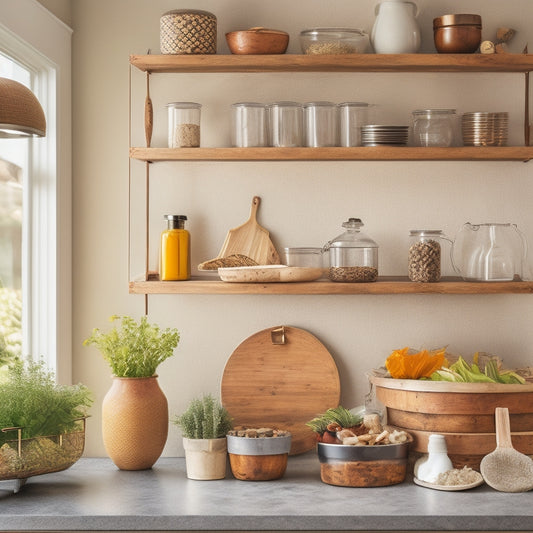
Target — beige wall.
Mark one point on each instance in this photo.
(62, 9)
(303, 204)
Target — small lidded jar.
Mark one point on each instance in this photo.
(424, 259)
(353, 256)
(457, 34)
(184, 124)
(434, 127)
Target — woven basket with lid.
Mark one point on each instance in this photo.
(187, 31)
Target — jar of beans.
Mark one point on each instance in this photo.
(353, 256)
(424, 259)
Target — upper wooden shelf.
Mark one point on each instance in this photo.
(366, 153)
(335, 63)
(384, 285)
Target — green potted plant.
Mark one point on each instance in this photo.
(42, 424)
(204, 426)
(135, 409)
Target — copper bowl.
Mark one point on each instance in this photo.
(457, 34)
(257, 41)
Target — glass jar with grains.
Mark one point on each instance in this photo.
(184, 124)
(353, 256)
(424, 259)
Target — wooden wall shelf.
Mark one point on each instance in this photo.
(365, 153)
(396, 63)
(384, 285)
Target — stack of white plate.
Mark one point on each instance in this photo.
(376, 135)
(485, 129)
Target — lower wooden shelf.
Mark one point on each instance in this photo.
(365, 153)
(384, 285)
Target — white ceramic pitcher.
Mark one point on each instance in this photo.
(396, 30)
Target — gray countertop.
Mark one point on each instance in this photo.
(95, 495)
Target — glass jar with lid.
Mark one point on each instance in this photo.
(286, 124)
(434, 127)
(321, 124)
(352, 115)
(249, 124)
(424, 258)
(184, 124)
(353, 256)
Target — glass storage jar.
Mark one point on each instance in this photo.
(434, 127)
(249, 124)
(286, 124)
(353, 256)
(321, 125)
(184, 124)
(424, 258)
(352, 115)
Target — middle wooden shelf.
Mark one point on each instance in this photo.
(211, 284)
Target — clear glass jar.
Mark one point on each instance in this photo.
(286, 124)
(424, 258)
(434, 127)
(353, 256)
(321, 124)
(184, 124)
(249, 124)
(352, 115)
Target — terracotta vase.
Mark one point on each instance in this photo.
(134, 422)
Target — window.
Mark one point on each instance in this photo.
(36, 234)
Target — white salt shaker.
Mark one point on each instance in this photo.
(429, 467)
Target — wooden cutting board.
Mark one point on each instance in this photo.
(251, 239)
(281, 378)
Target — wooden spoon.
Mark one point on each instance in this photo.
(505, 469)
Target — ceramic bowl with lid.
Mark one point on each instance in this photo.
(334, 41)
(457, 34)
(257, 40)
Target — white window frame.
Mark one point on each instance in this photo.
(34, 37)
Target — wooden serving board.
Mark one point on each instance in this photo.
(282, 386)
(269, 274)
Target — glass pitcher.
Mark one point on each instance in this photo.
(490, 252)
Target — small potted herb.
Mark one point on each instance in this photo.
(135, 409)
(204, 426)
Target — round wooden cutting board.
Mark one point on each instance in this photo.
(281, 378)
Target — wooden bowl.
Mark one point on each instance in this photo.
(457, 34)
(257, 41)
(462, 412)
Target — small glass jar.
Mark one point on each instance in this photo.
(286, 124)
(321, 124)
(434, 127)
(353, 256)
(352, 115)
(249, 124)
(184, 124)
(424, 259)
(304, 257)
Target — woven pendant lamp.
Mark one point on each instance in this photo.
(21, 114)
